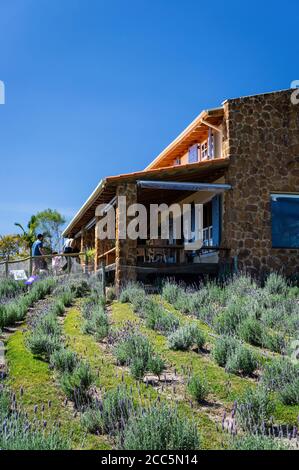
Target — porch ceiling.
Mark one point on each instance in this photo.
(205, 172)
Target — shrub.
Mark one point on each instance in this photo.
(278, 373)
(64, 360)
(251, 331)
(185, 303)
(111, 295)
(185, 337)
(41, 344)
(228, 320)
(67, 298)
(79, 287)
(141, 303)
(160, 320)
(58, 309)
(135, 350)
(242, 360)
(224, 347)
(171, 292)
(156, 365)
(130, 292)
(16, 310)
(199, 338)
(254, 409)
(76, 384)
(4, 403)
(276, 284)
(258, 442)
(159, 428)
(30, 436)
(275, 342)
(48, 325)
(98, 324)
(10, 288)
(117, 406)
(289, 394)
(92, 420)
(138, 367)
(241, 285)
(198, 388)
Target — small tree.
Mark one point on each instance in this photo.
(49, 222)
(11, 246)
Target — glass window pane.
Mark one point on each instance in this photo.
(285, 221)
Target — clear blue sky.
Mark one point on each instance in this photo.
(95, 88)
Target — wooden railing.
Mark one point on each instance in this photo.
(30, 259)
(108, 257)
(161, 253)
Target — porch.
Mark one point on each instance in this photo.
(133, 259)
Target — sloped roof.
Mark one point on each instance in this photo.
(205, 171)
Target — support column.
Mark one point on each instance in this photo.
(126, 249)
(82, 245)
(82, 248)
(97, 248)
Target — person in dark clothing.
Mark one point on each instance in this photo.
(37, 251)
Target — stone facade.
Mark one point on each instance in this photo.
(126, 249)
(261, 138)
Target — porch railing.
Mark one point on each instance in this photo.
(26, 264)
(160, 254)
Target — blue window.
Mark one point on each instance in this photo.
(216, 217)
(285, 220)
(193, 154)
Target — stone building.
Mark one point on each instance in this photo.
(241, 162)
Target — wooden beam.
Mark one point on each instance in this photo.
(177, 186)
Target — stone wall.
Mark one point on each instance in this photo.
(261, 137)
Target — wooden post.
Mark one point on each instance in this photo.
(97, 248)
(86, 263)
(103, 278)
(126, 249)
(6, 268)
(30, 265)
(69, 264)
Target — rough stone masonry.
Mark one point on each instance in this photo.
(261, 138)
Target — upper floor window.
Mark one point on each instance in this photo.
(285, 220)
(193, 154)
(204, 151)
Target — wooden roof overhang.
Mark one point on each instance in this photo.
(196, 132)
(205, 171)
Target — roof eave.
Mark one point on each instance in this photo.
(85, 206)
(186, 131)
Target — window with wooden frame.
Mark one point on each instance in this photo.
(204, 150)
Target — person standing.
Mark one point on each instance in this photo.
(37, 251)
(68, 250)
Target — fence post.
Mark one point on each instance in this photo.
(30, 265)
(69, 264)
(6, 268)
(86, 263)
(103, 276)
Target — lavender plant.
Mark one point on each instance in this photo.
(159, 428)
(111, 414)
(134, 350)
(185, 337)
